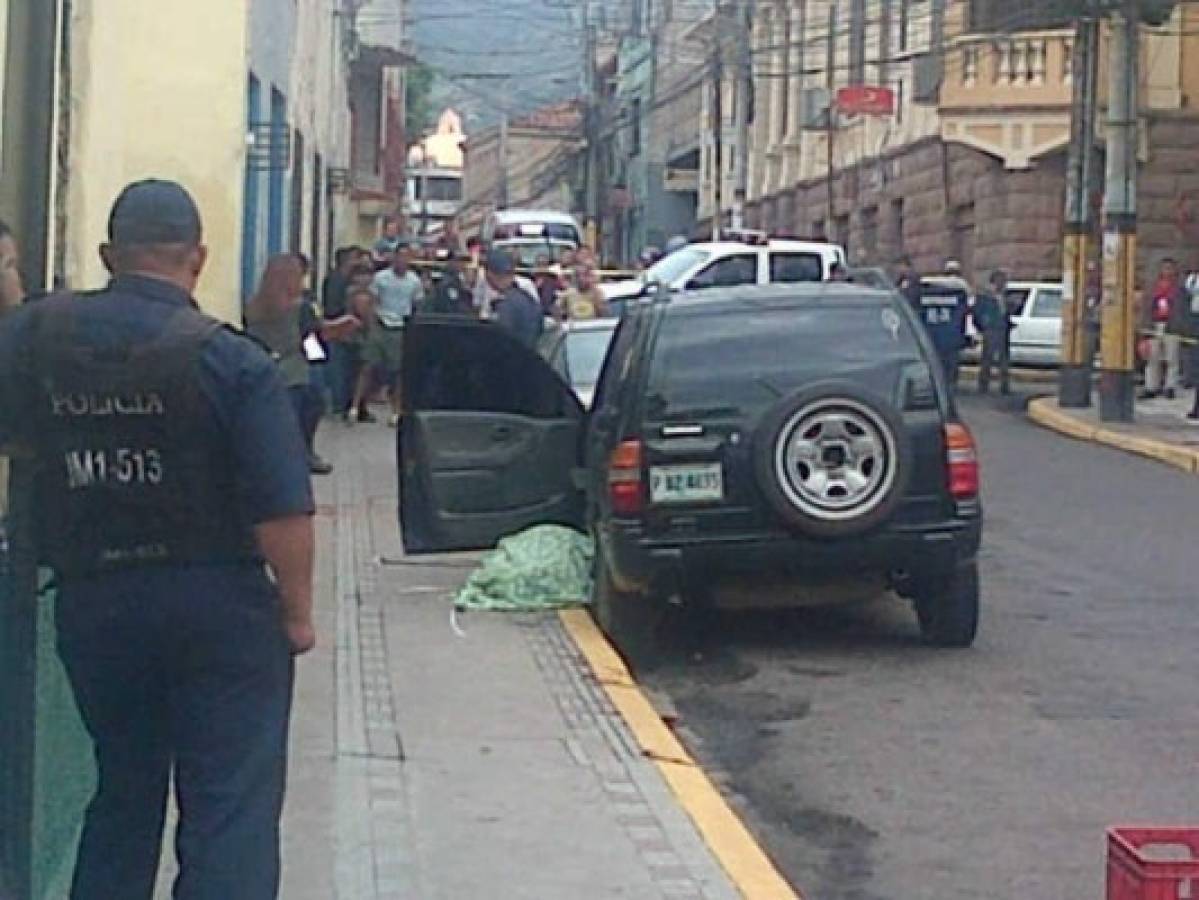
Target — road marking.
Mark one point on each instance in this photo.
(1046, 412)
(747, 865)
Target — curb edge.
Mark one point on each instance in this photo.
(735, 848)
(1044, 412)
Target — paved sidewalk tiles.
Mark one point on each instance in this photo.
(484, 765)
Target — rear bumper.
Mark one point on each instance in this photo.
(643, 564)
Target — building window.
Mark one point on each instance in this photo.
(275, 211)
(1003, 15)
(905, 21)
(297, 195)
(869, 243)
(897, 224)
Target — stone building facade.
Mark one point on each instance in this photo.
(971, 163)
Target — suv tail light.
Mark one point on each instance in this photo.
(961, 457)
(626, 492)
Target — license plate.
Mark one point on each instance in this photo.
(701, 483)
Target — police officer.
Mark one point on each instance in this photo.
(943, 309)
(174, 507)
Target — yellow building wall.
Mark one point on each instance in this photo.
(158, 89)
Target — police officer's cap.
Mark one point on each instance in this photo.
(154, 212)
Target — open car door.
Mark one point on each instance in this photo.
(489, 440)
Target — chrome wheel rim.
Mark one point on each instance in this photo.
(835, 459)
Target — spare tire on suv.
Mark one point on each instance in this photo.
(832, 460)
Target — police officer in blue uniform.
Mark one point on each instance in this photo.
(943, 309)
(175, 509)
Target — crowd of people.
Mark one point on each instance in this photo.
(341, 352)
(1167, 310)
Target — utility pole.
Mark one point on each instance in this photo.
(502, 199)
(1116, 385)
(718, 135)
(592, 126)
(745, 90)
(830, 82)
(1074, 386)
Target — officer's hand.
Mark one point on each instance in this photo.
(301, 636)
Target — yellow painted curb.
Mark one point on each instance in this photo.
(1046, 412)
(746, 863)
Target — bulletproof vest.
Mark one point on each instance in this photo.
(943, 313)
(134, 468)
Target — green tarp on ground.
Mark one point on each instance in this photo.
(547, 567)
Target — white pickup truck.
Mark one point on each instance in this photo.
(731, 264)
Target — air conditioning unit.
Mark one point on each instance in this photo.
(815, 107)
(928, 71)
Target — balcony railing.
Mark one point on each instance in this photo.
(1028, 69)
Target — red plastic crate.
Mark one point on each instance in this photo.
(1153, 863)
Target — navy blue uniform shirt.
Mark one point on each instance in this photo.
(238, 378)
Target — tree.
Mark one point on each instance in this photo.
(418, 107)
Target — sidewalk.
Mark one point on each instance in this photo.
(429, 765)
(1161, 431)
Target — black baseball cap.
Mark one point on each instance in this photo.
(499, 262)
(154, 212)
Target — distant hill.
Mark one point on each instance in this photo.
(536, 42)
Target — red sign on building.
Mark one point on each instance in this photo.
(866, 100)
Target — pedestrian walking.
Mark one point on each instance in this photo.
(334, 294)
(516, 310)
(276, 317)
(1162, 313)
(175, 510)
(386, 246)
(399, 291)
(993, 319)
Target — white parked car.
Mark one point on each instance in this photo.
(724, 264)
(577, 350)
(1037, 316)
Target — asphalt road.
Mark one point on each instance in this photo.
(874, 768)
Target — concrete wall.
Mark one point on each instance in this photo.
(129, 121)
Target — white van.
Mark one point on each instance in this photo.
(530, 233)
(733, 263)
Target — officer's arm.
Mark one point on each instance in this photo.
(289, 548)
(274, 485)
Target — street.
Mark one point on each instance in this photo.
(874, 768)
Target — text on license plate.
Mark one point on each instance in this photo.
(699, 483)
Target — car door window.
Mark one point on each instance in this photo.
(618, 362)
(1048, 304)
(1017, 300)
(731, 271)
(796, 268)
(481, 369)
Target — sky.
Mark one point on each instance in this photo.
(535, 45)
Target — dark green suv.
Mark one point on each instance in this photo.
(754, 446)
